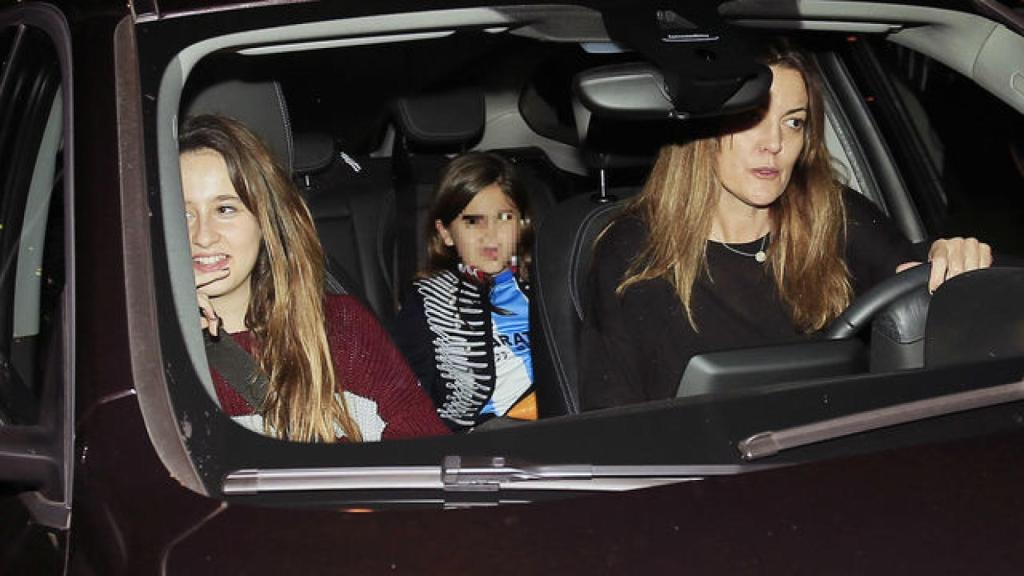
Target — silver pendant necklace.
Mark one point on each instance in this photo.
(759, 256)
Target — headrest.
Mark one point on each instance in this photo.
(616, 143)
(441, 120)
(259, 105)
(314, 151)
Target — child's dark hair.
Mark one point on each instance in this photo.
(463, 178)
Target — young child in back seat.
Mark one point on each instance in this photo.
(464, 326)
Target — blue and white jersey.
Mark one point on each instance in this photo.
(510, 328)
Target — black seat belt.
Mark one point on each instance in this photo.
(237, 367)
(405, 211)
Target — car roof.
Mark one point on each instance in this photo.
(164, 8)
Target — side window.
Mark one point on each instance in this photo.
(958, 147)
(31, 220)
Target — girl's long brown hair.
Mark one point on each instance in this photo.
(286, 312)
(808, 221)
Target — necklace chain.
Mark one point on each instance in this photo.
(760, 256)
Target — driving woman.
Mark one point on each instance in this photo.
(330, 371)
(742, 237)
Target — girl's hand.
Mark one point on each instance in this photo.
(953, 256)
(208, 319)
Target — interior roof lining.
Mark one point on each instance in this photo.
(972, 45)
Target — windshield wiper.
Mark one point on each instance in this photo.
(764, 444)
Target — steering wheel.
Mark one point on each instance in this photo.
(859, 314)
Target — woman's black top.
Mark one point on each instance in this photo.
(634, 348)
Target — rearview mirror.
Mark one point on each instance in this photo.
(640, 91)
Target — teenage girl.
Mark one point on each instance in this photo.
(326, 369)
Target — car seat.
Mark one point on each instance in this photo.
(541, 179)
(431, 129)
(562, 257)
(352, 200)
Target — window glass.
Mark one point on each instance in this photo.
(31, 219)
(970, 142)
(6, 38)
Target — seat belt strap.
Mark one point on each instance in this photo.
(237, 367)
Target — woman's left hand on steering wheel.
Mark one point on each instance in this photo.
(953, 256)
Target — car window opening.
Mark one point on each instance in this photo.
(368, 162)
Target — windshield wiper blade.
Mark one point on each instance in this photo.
(764, 444)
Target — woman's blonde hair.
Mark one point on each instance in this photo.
(805, 257)
(461, 181)
(304, 400)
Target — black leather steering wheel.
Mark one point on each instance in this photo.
(863, 309)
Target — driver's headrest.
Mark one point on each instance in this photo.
(259, 105)
(450, 121)
(610, 144)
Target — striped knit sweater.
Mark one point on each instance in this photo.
(381, 392)
(468, 342)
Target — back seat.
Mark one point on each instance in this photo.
(543, 181)
(434, 128)
(352, 200)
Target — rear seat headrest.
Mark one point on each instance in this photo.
(259, 105)
(441, 120)
(314, 151)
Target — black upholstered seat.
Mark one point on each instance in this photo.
(352, 200)
(561, 262)
(562, 259)
(431, 129)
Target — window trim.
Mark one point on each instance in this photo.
(52, 438)
(875, 154)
